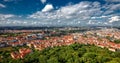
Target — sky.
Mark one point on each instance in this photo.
(59, 13)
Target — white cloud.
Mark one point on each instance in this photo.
(99, 17)
(2, 6)
(47, 8)
(83, 13)
(114, 19)
(43, 1)
(4, 17)
(77, 14)
(111, 8)
(8, 20)
(115, 7)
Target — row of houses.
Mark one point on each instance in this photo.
(73, 38)
(51, 42)
(100, 42)
(21, 53)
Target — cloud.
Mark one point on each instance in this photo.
(115, 7)
(111, 8)
(83, 13)
(100, 17)
(70, 15)
(12, 20)
(2, 6)
(48, 8)
(43, 1)
(8, 20)
(77, 10)
(80, 14)
(114, 19)
(4, 17)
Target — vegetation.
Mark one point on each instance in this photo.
(5, 54)
(75, 53)
(9, 34)
(117, 41)
(6, 49)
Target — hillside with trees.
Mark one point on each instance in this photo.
(75, 53)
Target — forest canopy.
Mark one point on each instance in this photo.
(75, 53)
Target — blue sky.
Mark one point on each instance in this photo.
(59, 12)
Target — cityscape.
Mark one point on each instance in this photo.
(55, 31)
(29, 41)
